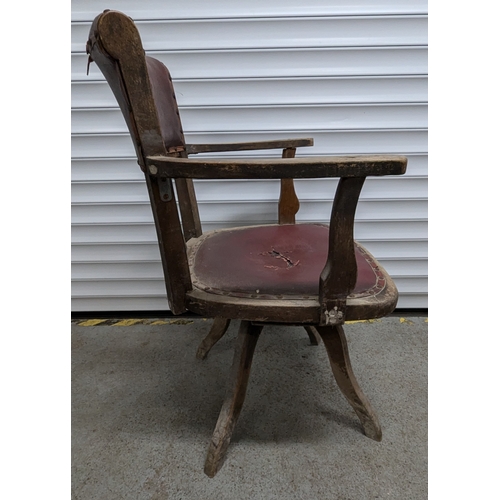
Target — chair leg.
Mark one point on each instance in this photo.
(235, 395)
(219, 328)
(313, 334)
(336, 347)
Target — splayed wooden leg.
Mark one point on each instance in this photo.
(219, 328)
(336, 347)
(235, 395)
(313, 334)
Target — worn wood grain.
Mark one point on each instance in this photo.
(219, 328)
(336, 346)
(117, 45)
(288, 203)
(172, 248)
(292, 312)
(276, 168)
(338, 277)
(313, 334)
(235, 396)
(188, 207)
(248, 146)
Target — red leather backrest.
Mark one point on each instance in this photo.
(166, 103)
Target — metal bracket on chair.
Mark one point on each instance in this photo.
(334, 317)
(333, 312)
(165, 185)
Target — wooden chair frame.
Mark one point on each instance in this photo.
(144, 91)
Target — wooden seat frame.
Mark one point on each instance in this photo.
(144, 91)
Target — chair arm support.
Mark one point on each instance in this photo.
(338, 278)
(248, 146)
(276, 168)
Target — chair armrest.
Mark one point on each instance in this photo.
(338, 277)
(276, 168)
(248, 146)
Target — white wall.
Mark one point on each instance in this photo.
(353, 75)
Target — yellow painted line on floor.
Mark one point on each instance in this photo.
(128, 322)
(181, 322)
(133, 321)
(91, 322)
(159, 322)
(404, 320)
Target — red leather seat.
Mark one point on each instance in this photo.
(274, 260)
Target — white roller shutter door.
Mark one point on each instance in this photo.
(353, 76)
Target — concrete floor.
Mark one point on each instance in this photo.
(144, 408)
